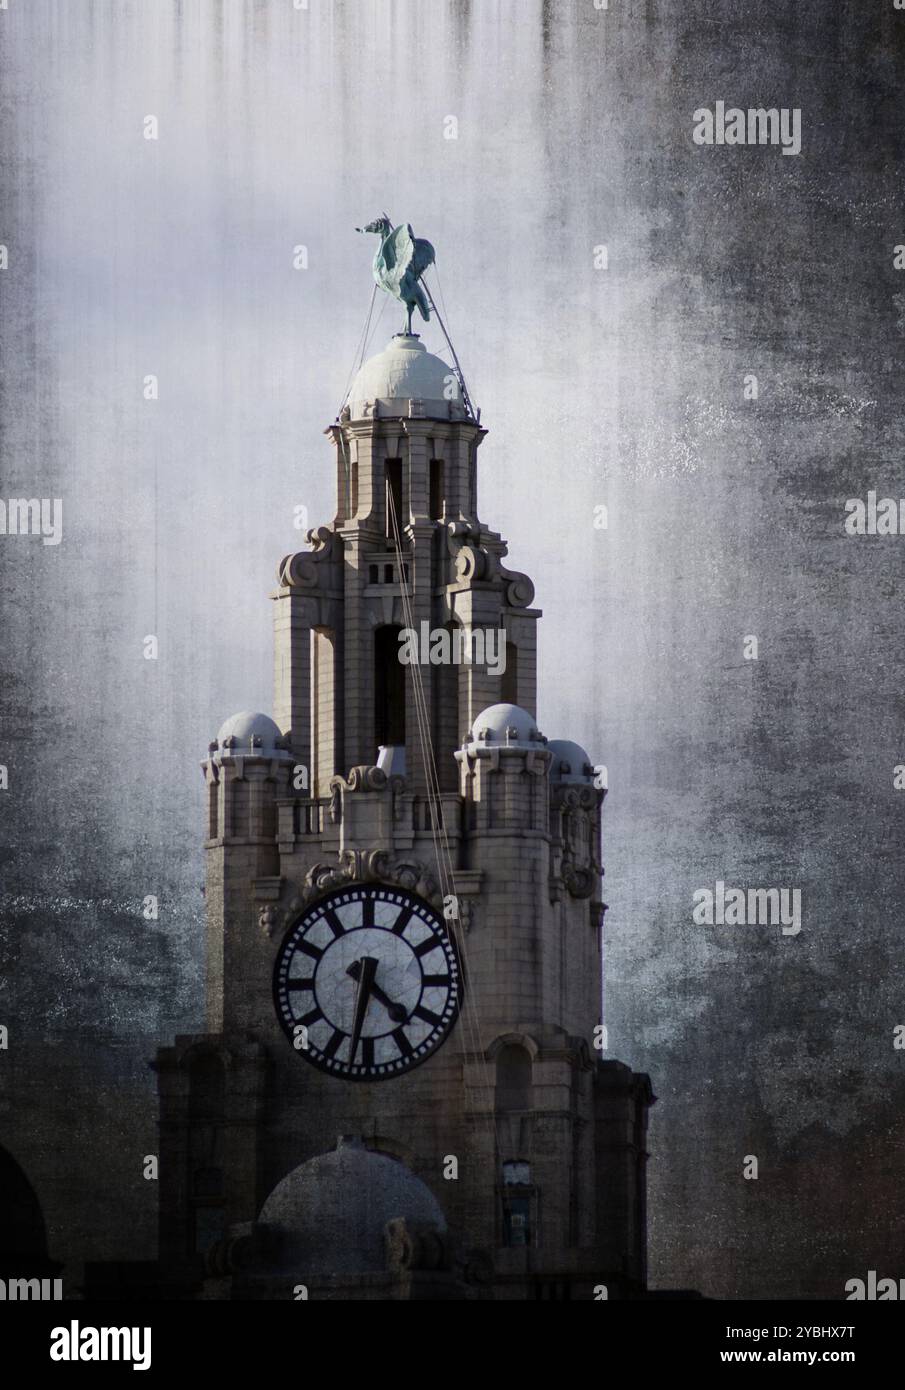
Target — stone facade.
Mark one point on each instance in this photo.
(532, 1146)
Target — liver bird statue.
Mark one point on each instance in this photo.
(401, 260)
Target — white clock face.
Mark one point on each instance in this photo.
(367, 983)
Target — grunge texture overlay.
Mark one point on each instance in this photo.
(621, 387)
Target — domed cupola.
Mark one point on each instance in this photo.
(330, 1214)
(250, 734)
(570, 762)
(351, 1223)
(248, 765)
(405, 379)
(503, 766)
(505, 726)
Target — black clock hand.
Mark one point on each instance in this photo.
(363, 971)
(397, 1012)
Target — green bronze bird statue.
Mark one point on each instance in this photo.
(401, 260)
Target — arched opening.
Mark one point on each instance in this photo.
(389, 688)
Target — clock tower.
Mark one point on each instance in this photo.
(403, 922)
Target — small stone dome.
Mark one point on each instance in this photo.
(249, 732)
(405, 371)
(329, 1215)
(570, 762)
(505, 726)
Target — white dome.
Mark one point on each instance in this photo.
(405, 371)
(329, 1215)
(569, 762)
(505, 726)
(253, 733)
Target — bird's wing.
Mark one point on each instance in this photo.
(423, 255)
(408, 252)
(388, 251)
(399, 250)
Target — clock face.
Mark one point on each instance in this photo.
(367, 983)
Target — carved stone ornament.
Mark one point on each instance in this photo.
(267, 919)
(363, 778)
(232, 1253)
(579, 871)
(419, 1247)
(579, 882)
(571, 798)
(353, 866)
(465, 916)
(478, 556)
(302, 570)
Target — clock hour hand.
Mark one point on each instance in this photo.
(397, 1012)
(363, 971)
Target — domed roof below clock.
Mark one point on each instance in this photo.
(329, 1215)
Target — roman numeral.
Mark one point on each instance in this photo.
(425, 1014)
(402, 921)
(334, 924)
(306, 947)
(311, 1017)
(435, 980)
(402, 1042)
(430, 944)
(367, 1052)
(300, 984)
(333, 1045)
(367, 912)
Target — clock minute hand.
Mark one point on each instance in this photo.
(397, 1012)
(363, 971)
